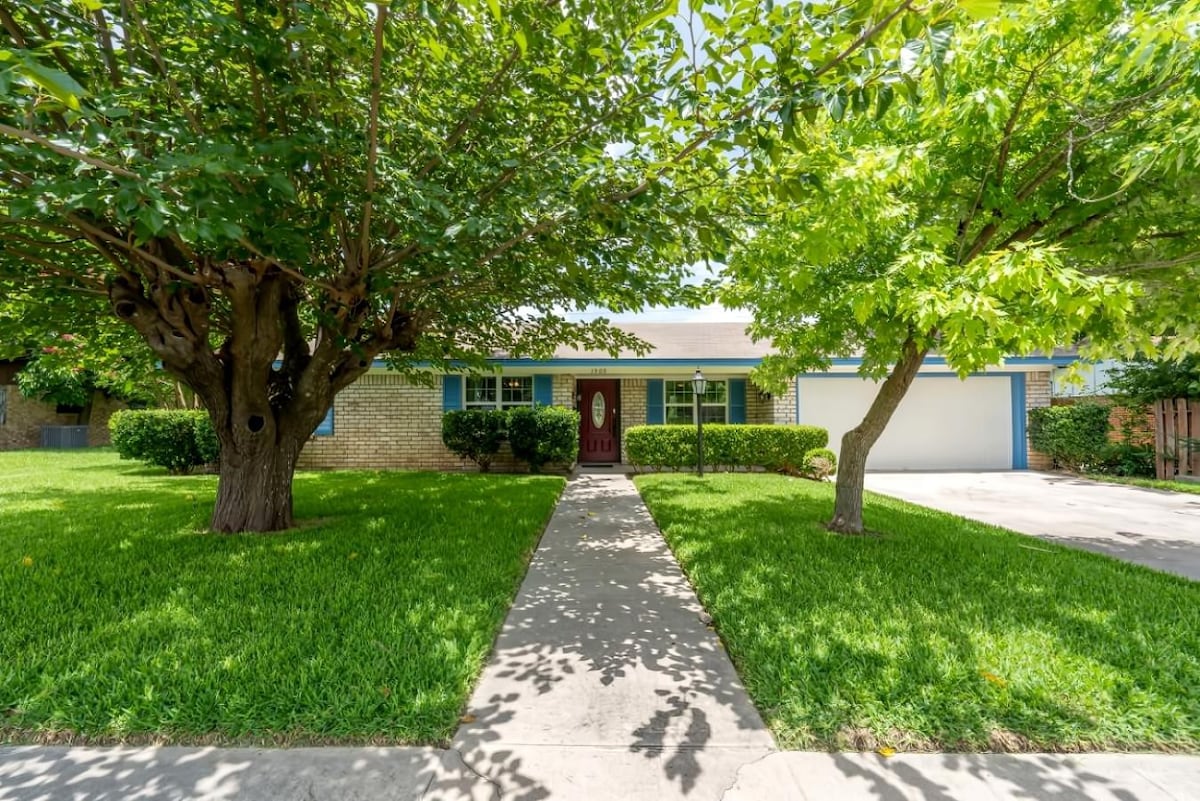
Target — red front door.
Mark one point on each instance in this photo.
(597, 421)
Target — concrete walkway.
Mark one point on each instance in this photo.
(604, 684)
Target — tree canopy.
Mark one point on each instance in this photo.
(275, 194)
(1043, 193)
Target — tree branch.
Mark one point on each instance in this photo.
(863, 38)
(364, 242)
(62, 150)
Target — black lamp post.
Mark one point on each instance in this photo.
(699, 384)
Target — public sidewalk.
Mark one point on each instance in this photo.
(604, 684)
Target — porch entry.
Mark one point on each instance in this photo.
(598, 434)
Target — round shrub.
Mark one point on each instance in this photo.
(819, 464)
(178, 440)
(541, 435)
(474, 434)
(1075, 436)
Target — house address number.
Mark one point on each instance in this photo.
(599, 371)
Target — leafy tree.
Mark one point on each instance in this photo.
(321, 183)
(1143, 380)
(74, 350)
(1045, 191)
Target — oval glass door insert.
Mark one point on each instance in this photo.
(598, 410)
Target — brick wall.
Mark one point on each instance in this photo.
(633, 407)
(103, 408)
(563, 391)
(1141, 421)
(759, 410)
(1037, 394)
(24, 419)
(385, 421)
(783, 407)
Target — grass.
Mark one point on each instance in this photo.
(940, 634)
(123, 620)
(1150, 483)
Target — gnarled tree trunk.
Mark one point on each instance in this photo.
(254, 492)
(857, 442)
(265, 387)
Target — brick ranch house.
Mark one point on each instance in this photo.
(386, 421)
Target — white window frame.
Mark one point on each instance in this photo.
(498, 390)
(691, 404)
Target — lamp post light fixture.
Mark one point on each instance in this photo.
(699, 384)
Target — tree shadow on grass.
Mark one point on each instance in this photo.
(128, 618)
(942, 633)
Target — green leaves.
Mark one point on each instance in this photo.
(987, 225)
(57, 83)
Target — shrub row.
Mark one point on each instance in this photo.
(177, 440)
(780, 448)
(1075, 436)
(538, 435)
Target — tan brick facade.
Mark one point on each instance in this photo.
(633, 407)
(783, 407)
(385, 420)
(24, 418)
(1037, 395)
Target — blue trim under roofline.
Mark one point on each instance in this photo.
(1054, 361)
(1020, 454)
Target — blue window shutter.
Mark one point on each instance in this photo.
(543, 390)
(325, 427)
(654, 402)
(452, 392)
(737, 400)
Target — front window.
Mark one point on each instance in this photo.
(498, 392)
(681, 402)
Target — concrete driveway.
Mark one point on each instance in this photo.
(1150, 527)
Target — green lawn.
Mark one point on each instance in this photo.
(123, 619)
(941, 633)
(1151, 483)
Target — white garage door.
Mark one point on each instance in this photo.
(943, 423)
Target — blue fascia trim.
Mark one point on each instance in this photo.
(626, 362)
(1056, 361)
(987, 374)
(1020, 456)
(854, 361)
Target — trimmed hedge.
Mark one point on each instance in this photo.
(778, 448)
(543, 434)
(1075, 436)
(178, 440)
(475, 434)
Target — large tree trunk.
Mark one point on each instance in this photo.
(857, 442)
(270, 381)
(254, 492)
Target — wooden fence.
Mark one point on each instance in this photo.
(1177, 438)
